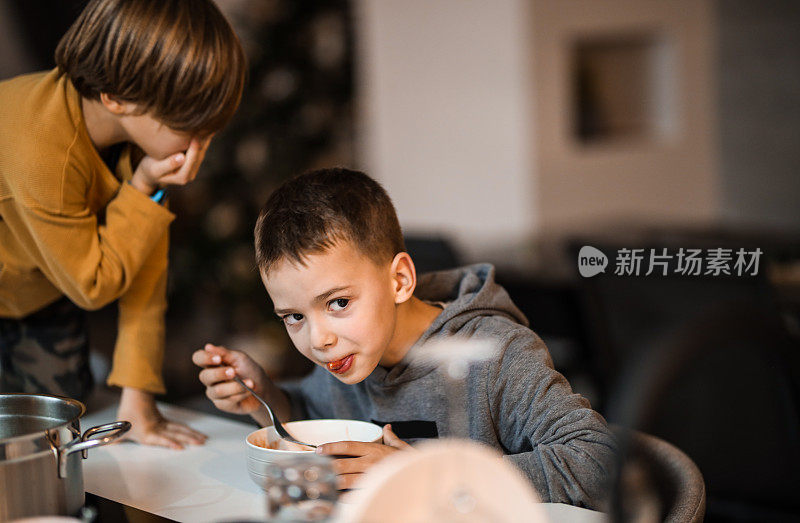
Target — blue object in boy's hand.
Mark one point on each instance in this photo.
(159, 195)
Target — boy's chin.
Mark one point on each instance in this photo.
(349, 380)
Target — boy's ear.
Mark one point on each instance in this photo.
(116, 106)
(404, 277)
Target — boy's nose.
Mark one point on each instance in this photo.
(322, 338)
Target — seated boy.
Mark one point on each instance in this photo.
(331, 255)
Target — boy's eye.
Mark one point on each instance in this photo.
(291, 319)
(337, 305)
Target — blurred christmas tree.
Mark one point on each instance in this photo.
(295, 115)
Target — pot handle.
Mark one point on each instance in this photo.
(120, 426)
(85, 443)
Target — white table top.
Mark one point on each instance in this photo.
(202, 483)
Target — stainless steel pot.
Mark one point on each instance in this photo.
(41, 447)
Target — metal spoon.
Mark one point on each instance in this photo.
(273, 418)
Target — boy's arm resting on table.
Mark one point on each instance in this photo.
(562, 445)
(139, 356)
(91, 263)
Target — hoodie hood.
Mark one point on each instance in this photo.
(470, 293)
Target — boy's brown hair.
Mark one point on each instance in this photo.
(178, 59)
(312, 212)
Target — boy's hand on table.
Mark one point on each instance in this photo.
(219, 366)
(349, 470)
(149, 426)
(177, 169)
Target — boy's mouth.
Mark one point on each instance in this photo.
(340, 366)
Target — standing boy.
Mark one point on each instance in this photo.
(85, 153)
(331, 255)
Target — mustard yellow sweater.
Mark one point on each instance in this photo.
(68, 226)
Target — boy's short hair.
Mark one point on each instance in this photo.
(178, 59)
(312, 212)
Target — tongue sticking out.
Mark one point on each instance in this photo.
(340, 366)
(336, 365)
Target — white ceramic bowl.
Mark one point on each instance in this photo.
(315, 431)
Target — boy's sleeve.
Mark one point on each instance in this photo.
(92, 263)
(139, 351)
(550, 433)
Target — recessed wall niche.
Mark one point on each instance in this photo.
(622, 88)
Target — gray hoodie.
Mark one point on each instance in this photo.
(515, 401)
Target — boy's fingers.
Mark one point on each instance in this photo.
(185, 439)
(346, 481)
(193, 151)
(177, 178)
(215, 349)
(350, 465)
(238, 361)
(160, 168)
(160, 440)
(192, 156)
(185, 434)
(225, 355)
(176, 174)
(238, 398)
(200, 358)
(345, 448)
(191, 433)
(204, 145)
(391, 439)
(214, 375)
(181, 437)
(222, 391)
(232, 402)
(203, 358)
(196, 167)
